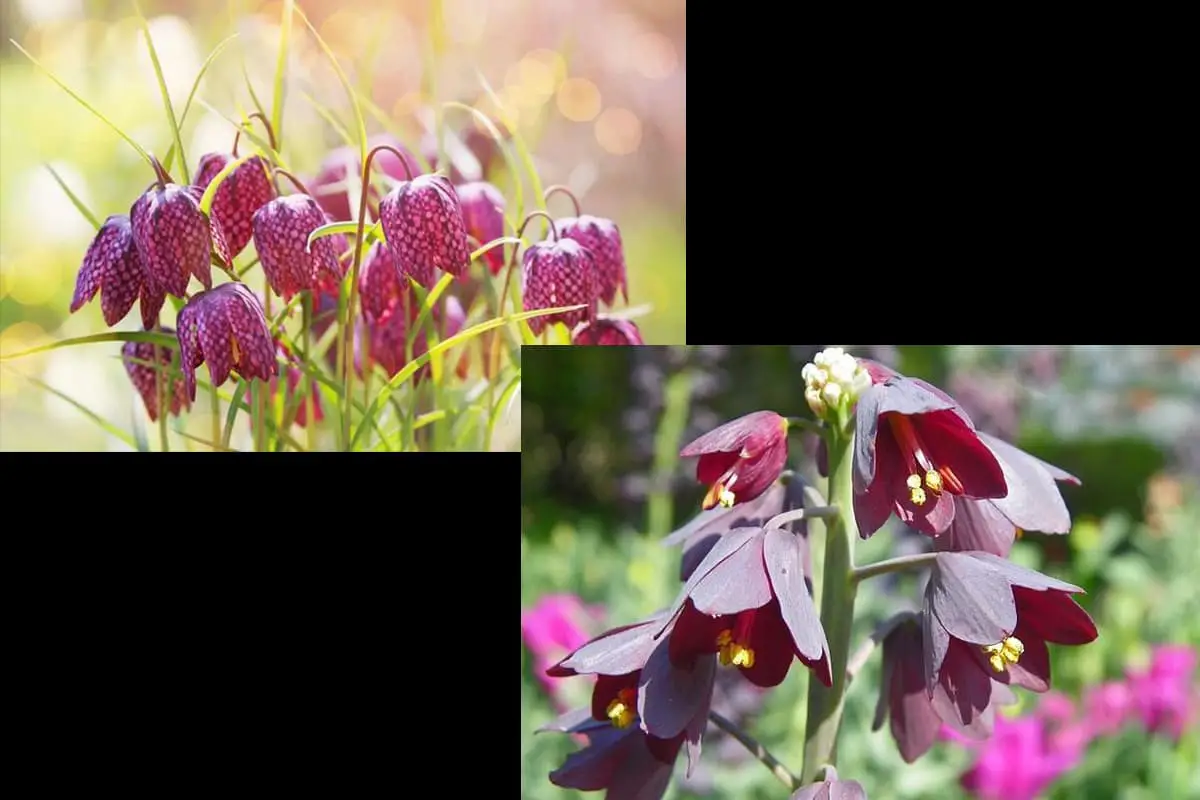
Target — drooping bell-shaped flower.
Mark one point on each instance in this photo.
(281, 231)
(423, 223)
(558, 273)
(740, 459)
(174, 238)
(380, 285)
(607, 332)
(225, 327)
(139, 359)
(243, 192)
(483, 211)
(112, 267)
(603, 239)
(831, 788)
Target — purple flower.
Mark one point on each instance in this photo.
(915, 449)
(281, 231)
(424, 226)
(1163, 694)
(226, 328)
(1019, 761)
(174, 238)
(749, 603)
(113, 268)
(244, 191)
(986, 619)
(740, 459)
(558, 273)
(603, 239)
(1033, 503)
(608, 332)
(1109, 706)
(556, 625)
(483, 213)
(624, 762)
(380, 284)
(831, 788)
(139, 359)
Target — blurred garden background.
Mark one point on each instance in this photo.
(596, 89)
(602, 485)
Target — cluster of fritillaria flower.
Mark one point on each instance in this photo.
(890, 444)
(429, 224)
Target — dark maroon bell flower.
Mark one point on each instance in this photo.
(1033, 503)
(987, 619)
(389, 329)
(637, 680)
(243, 192)
(748, 602)
(139, 359)
(379, 282)
(424, 226)
(226, 328)
(281, 230)
(915, 449)
(623, 762)
(335, 186)
(603, 239)
(916, 716)
(558, 273)
(112, 267)
(831, 788)
(483, 212)
(174, 237)
(740, 459)
(608, 332)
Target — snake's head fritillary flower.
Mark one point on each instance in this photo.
(559, 273)
(281, 231)
(112, 267)
(424, 226)
(225, 327)
(602, 239)
(740, 459)
(380, 284)
(139, 359)
(607, 332)
(243, 192)
(483, 212)
(174, 238)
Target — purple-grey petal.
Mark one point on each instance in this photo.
(669, 697)
(1022, 576)
(978, 525)
(972, 600)
(738, 583)
(618, 654)
(727, 546)
(963, 693)
(694, 732)
(1033, 502)
(577, 720)
(935, 640)
(783, 555)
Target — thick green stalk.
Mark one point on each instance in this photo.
(837, 611)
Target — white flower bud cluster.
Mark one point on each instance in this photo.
(833, 379)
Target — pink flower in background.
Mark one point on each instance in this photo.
(1109, 706)
(557, 625)
(1019, 761)
(1163, 695)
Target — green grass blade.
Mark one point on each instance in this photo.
(518, 142)
(258, 106)
(328, 115)
(330, 228)
(216, 51)
(247, 133)
(494, 132)
(500, 409)
(75, 201)
(164, 339)
(285, 39)
(231, 415)
(411, 368)
(345, 81)
(108, 427)
(162, 88)
(205, 442)
(140, 150)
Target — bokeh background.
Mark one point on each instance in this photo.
(597, 88)
(602, 485)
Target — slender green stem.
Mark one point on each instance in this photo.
(837, 610)
(164, 405)
(805, 425)
(215, 407)
(779, 520)
(900, 564)
(306, 382)
(756, 749)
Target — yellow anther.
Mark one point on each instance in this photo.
(233, 344)
(720, 494)
(621, 710)
(933, 480)
(1001, 654)
(914, 481)
(731, 653)
(742, 657)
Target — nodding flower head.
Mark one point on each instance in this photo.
(424, 225)
(113, 268)
(380, 283)
(558, 273)
(603, 239)
(608, 332)
(243, 192)
(483, 211)
(139, 359)
(281, 230)
(225, 327)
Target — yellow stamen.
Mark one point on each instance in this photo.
(237, 353)
(730, 652)
(915, 493)
(933, 480)
(1001, 654)
(622, 709)
(719, 494)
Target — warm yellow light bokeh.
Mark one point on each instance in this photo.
(578, 99)
(619, 131)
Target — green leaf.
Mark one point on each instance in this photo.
(162, 87)
(164, 339)
(411, 368)
(494, 132)
(169, 160)
(341, 76)
(329, 117)
(87, 412)
(501, 406)
(247, 133)
(427, 305)
(140, 150)
(331, 228)
(231, 415)
(75, 201)
(518, 142)
(285, 38)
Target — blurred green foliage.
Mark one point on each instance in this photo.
(1138, 569)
